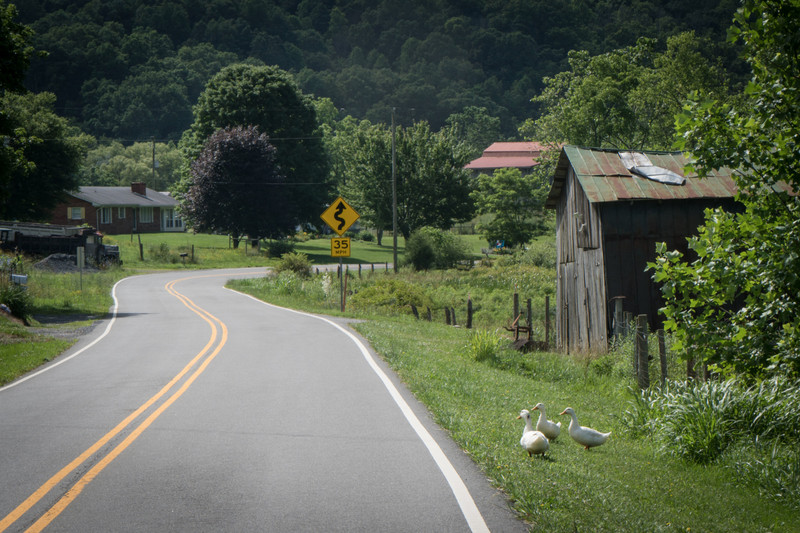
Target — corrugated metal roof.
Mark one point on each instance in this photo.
(123, 197)
(604, 178)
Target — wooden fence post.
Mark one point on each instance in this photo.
(414, 310)
(447, 315)
(453, 313)
(344, 294)
(359, 271)
(516, 305)
(662, 354)
(469, 313)
(643, 356)
(547, 321)
(430, 316)
(530, 319)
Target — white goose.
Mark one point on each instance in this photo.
(533, 441)
(550, 429)
(586, 437)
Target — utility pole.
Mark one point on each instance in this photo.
(394, 196)
(153, 139)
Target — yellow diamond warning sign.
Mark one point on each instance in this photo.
(339, 216)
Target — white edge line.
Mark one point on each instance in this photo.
(468, 507)
(65, 359)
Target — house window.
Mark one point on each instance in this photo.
(171, 219)
(145, 215)
(121, 213)
(105, 215)
(75, 213)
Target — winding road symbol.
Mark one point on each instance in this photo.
(341, 208)
(339, 216)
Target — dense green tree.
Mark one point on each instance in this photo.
(736, 304)
(474, 127)
(362, 165)
(433, 189)
(267, 97)
(432, 186)
(237, 187)
(53, 150)
(626, 98)
(15, 49)
(15, 53)
(436, 57)
(514, 201)
(114, 164)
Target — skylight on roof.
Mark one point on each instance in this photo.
(639, 164)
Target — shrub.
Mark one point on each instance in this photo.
(17, 299)
(484, 346)
(390, 294)
(162, 254)
(295, 262)
(279, 248)
(429, 248)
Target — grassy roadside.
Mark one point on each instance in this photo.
(630, 484)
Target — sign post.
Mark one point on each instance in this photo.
(339, 217)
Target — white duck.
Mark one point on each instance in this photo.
(533, 441)
(586, 437)
(550, 429)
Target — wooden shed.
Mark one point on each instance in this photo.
(612, 208)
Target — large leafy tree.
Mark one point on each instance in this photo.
(362, 161)
(515, 202)
(15, 54)
(433, 189)
(625, 98)
(737, 304)
(237, 187)
(52, 151)
(432, 186)
(267, 97)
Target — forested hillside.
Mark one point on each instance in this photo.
(132, 69)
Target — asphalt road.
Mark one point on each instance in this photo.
(197, 408)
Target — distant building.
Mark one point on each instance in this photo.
(119, 210)
(521, 155)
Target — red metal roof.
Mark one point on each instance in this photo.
(508, 155)
(604, 178)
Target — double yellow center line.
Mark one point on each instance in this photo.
(219, 336)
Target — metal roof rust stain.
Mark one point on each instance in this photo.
(604, 178)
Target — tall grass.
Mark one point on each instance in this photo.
(754, 430)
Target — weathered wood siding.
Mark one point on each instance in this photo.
(581, 294)
(630, 232)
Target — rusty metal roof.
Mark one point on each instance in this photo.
(604, 178)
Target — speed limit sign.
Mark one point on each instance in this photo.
(340, 247)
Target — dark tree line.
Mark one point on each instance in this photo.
(129, 69)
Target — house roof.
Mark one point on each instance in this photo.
(123, 197)
(508, 155)
(605, 178)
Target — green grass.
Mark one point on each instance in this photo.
(163, 251)
(625, 485)
(630, 484)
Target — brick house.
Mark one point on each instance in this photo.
(119, 210)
